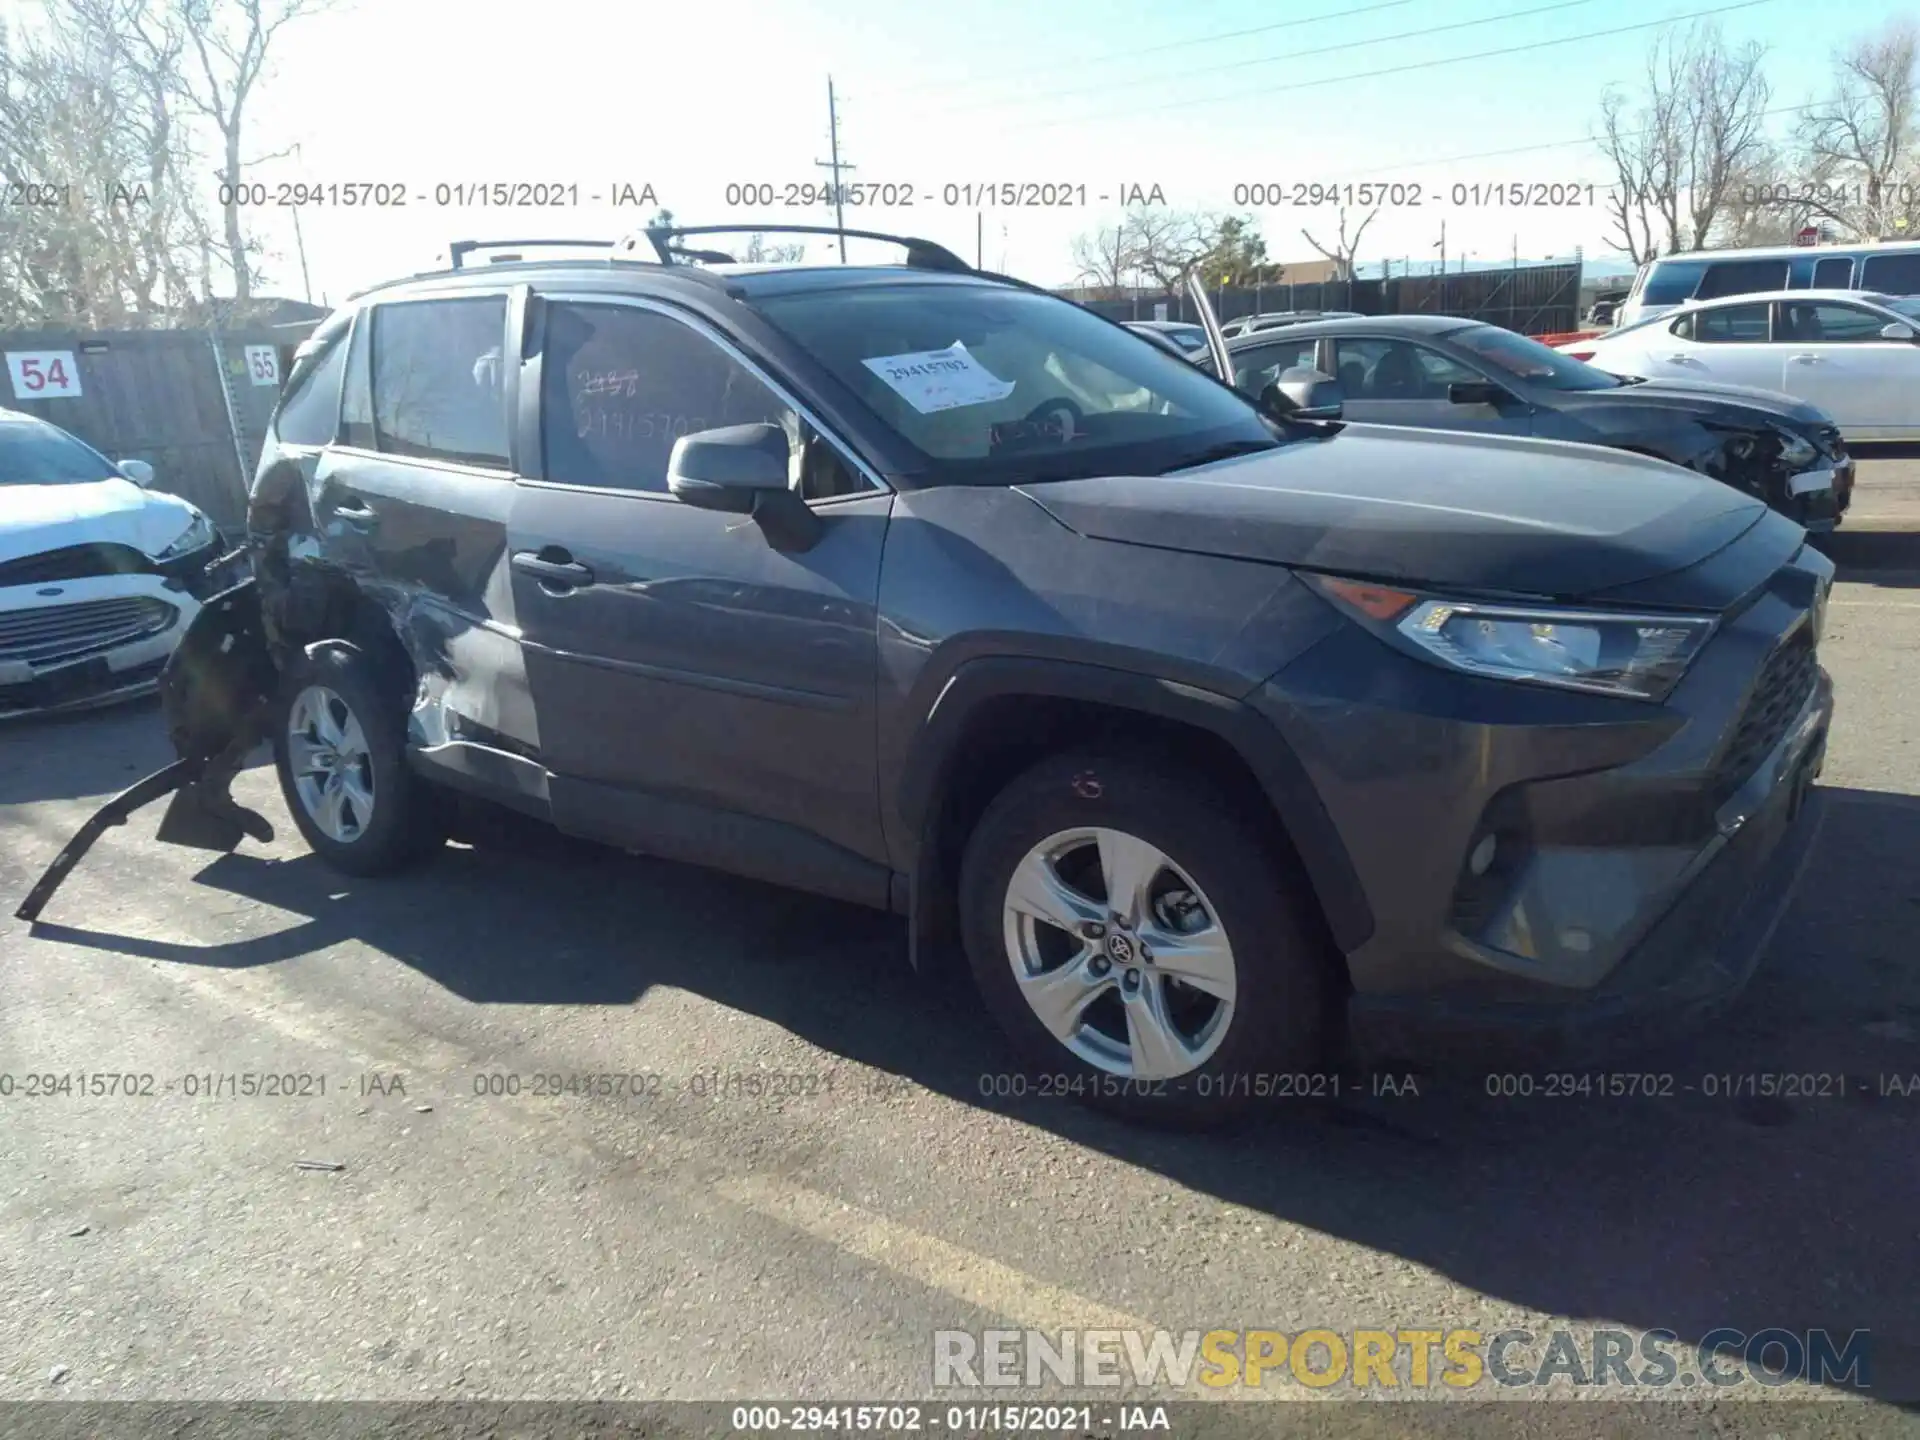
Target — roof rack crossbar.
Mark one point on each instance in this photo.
(921, 254)
(460, 249)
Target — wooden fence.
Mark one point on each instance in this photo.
(194, 404)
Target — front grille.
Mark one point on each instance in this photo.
(74, 562)
(55, 633)
(1785, 682)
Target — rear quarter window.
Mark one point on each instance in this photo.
(310, 411)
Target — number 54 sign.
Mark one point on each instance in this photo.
(42, 374)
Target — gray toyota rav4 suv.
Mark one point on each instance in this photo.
(1220, 740)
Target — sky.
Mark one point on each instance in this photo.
(1089, 97)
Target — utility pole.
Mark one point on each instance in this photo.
(300, 242)
(835, 165)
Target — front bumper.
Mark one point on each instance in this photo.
(1548, 869)
(95, 666)
(1821, 496)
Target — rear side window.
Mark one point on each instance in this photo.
(1742, 277)
(310, 411)
(438, 391)
(1669, 282)
(1731, 325)
(1892, 274)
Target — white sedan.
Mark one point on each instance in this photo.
(99, 576)
(1854, 354)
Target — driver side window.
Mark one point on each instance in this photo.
(620, 384)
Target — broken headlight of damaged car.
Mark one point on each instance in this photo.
(1606, 652)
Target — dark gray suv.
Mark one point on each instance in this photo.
(1218, 741)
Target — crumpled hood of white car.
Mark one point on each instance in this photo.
(37, 518)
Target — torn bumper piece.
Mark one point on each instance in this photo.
(217, 694)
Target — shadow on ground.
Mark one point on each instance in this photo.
(1715, 1205)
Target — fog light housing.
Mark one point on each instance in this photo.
(1481, 859)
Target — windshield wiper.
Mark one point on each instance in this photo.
(1226, 450)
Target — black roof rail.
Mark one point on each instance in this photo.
(921, 254)
(460, 249)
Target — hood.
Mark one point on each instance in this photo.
(1427, 508)
(1704, 398)
(37, 518)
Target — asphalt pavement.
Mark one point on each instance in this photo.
(793, 1162)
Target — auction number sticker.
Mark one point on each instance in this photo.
(42, 374)
(931, 380)
(263, 364)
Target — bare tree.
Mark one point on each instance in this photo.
(1169, 244)
(1859, 143)
(1682, 148)
(1343, 250)
(85, 133)
(230, 40)
(759, 252)
(1105, 259)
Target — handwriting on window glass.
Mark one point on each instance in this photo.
(614, 422)
(609, 382)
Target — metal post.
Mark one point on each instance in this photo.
(233, 417)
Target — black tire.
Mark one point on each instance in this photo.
(409, 819)
(1276, 1038)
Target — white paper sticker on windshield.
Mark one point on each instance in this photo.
(931, 380)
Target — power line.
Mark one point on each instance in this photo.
(1081, 62)
(1262, 94)
(1553, 145)
(1313, 54)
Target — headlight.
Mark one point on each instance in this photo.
(197, 536)
(1603, 651)
(1796, 451)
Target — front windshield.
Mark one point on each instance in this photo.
(1907, 305)
(994, 385)
(35, 454)
(1531, 361)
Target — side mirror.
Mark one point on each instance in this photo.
(1475, 392)
(138, 471)
(1894, 330)
(1303, 393)
(743, 470)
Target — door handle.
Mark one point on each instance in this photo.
(1808, 359)
(355, 511)
(568, 574)
(1679, 357)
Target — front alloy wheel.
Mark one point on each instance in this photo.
(330, 763)
(1119, 954)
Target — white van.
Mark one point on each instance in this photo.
(1670, 280)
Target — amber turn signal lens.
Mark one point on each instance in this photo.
(1376, 601)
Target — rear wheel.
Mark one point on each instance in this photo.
(1143, 941)
(339, 750)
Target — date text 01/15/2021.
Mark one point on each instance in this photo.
(1059, 194)
(441, 194)
(960, 1419)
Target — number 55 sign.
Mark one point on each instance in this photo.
(43, 374)
(263, 364)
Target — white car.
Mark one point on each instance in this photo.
(1854, 354)
(99, 576)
